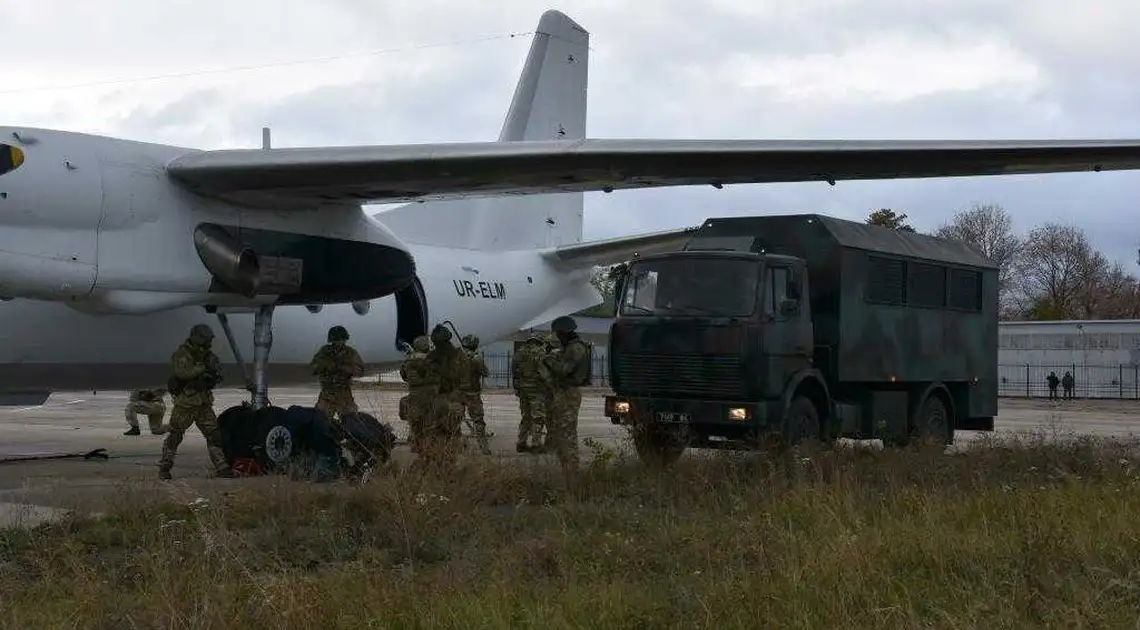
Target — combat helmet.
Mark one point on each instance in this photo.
(469, 341)
(421, 344)
(564, 324)
(201, 334)
(440, 334)
(338, 333)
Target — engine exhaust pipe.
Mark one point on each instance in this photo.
(233, 265)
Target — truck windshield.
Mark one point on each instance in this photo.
(691, 286)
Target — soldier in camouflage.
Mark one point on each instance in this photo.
(335, 365)
(197, 371)
(147, 402)
(423, 387)
(569, 370)
(471, 389)
(440, 430)
(530, 379)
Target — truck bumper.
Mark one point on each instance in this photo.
(627, 410)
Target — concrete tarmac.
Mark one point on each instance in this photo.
(78, 422)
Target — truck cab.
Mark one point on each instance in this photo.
(705, 344)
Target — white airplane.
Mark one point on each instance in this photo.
(110, 250)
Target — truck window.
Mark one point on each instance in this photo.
(720, 287)
(776, 290)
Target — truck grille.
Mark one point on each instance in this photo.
(664, 374)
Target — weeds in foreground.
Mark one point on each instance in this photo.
(1032, 533)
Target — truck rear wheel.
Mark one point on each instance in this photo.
(657, 446)
(932, 423)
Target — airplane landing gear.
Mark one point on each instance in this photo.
(259, 438)
(262, 342)
(258, 384)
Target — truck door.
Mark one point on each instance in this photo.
(784, 307)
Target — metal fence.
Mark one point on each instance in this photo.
(499, 365)
(1028, 380)
(1015, 380)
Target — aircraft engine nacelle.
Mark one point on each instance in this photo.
(224, 256)
(298, 268)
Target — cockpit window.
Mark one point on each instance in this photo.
(10, 158)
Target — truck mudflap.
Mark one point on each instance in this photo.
(631, 410)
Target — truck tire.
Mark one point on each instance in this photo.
(932, 423)
(801, 422)
(659, 447)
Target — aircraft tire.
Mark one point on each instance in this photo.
(370, 438)
(240, 432)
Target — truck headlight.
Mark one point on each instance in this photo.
(621, 407)
(739, 414)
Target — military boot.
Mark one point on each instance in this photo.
(164, 473)
(133, 431)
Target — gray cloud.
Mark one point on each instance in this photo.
(808, 69)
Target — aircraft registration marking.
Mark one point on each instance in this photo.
(480, 290)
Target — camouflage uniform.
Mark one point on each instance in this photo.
(531, 384)
(440, 429)
(471, 388)
(335, 364)
(196, 372)
(569, 367)
(423, 388)
(147, 402)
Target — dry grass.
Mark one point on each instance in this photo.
(1032, 534)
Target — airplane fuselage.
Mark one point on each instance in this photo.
(45, 345)
(103, 270)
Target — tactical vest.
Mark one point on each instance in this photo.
(583, 373)
(419, 375)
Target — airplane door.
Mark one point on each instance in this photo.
(411, 313)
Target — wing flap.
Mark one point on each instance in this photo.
(617, 250)
(384, 174)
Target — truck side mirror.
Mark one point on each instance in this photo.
(789, 306)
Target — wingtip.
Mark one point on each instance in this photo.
(556, 23)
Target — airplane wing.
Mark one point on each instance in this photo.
(304, 177)
(616, 250)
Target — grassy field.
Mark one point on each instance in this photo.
(1006, 535)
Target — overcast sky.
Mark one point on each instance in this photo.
(430, 71)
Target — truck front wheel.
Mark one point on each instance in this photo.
(801, 423)
(657, 446)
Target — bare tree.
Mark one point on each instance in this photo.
(1054, 268)
(987, 228)
(886, 217)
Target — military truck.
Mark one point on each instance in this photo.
(803, 327)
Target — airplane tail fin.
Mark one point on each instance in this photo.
(549, 104)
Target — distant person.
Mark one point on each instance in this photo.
(147, 402)
(1052, 381)
(1067, 383)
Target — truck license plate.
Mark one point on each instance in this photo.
(672, 416)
